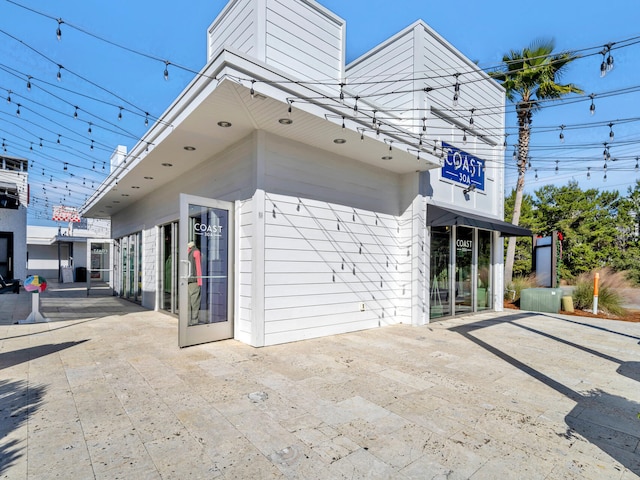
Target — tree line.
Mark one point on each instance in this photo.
(599, 228)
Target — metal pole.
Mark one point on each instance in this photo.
(596, 280)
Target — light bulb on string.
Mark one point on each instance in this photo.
(166, 70)
(557, 168)
(355, 107)
(611, 134)
(75, 113)
(637, 165)
(424, 124)
(58, 141)
(342, 92)
(252, 92)
(146, 119)
(65, 166)
(562, 127)
(603, 65)
(515, 155)
(504, 144)
(471, 117)
(91, 146)
(464, 137)
(59, 74)
(8, 96)
(59, 30)
(120, 113)
(28, 84)
(89, 129)
(456, 90)
(605, 177)
(343, 124)
(374, 120)
(592, 108)
(289, 108)
(536, 174)
(18, 110)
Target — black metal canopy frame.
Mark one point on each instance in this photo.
(441, 217)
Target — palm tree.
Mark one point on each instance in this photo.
(530, 77)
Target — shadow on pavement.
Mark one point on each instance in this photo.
(15, 357)
(18, 400)
(608, 421)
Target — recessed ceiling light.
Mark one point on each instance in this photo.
(224, 124)
(148, 178)
(135, 186)
(108, 206)
(125, 194)
(189, 148)
(387, 157)
(116, 201)
(285, 121)
(339, 141)
(167, 164)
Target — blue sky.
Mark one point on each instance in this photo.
(99, 77)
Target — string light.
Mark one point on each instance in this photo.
(166, 70)
(557, 168)
(456, 90)
(637, 165)
(8, 96)
(607, 63)
(89, 129)
(592, 108)
(120, 113)
(58, 30)
(28, 84)
(562, 133)
(146, 119)
(355, 107)
(18, 110)
(59, 74)
(611, 131)
(464, 137)
(536, 174)
(471, 117)
(252, 92)
(75, 113)
(59, 139)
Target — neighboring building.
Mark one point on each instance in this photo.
(276, 201)
(14, 199)
(53, 251)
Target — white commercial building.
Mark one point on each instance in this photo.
(14, 198)
(285, 195)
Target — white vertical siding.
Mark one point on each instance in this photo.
(323, 260)
(235, 27)
(243, 326)
(304, 39)
(299, 37)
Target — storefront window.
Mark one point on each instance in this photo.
(484, 270)
(464, 262)
(440, 304)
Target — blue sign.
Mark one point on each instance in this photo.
(462, 167)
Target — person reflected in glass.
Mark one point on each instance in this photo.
(195, 282)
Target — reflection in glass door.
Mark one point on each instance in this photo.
(206, 238)
(131, 267)
(168, 298)
(440, 300)
(464, 261)
(484, 270)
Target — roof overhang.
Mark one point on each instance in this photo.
(189, 132)
(441, 217)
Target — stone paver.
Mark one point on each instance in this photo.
(102, 391)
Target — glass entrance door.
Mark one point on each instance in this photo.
(6, 255)
(206, 242)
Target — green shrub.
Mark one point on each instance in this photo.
(519, 283)
(610, 301)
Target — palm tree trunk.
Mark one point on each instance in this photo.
(524, 135)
